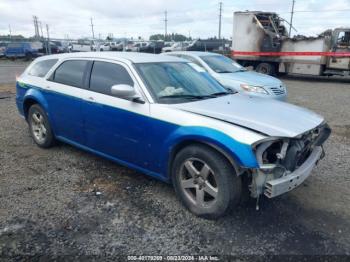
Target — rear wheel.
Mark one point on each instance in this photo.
(205, 181)
(266, 68)
(39, 127)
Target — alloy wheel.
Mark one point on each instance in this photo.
(198, 182)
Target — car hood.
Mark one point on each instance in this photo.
(270, 117)
(251, 78)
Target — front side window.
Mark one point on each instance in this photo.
(41, 68)
(105, 75)
(176, 82)
(222, 64)
(71, 73)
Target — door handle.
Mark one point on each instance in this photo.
(90, 98)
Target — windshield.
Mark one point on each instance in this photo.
(177, 82)
(222, 64)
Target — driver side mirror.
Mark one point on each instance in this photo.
(126, 92)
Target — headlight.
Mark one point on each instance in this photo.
(255, 89)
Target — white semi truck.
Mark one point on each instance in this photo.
(260, 40)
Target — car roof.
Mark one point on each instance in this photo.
(133, 57)
(193, 53)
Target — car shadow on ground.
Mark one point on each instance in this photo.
(283, 224)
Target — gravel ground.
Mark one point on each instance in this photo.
(49, 208)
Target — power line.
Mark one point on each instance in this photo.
(220, 16)
(321, 11)
(92, 29)
(291, 19)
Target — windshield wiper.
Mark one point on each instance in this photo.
(224, 72)
(221, 94)
(187, 96)
(229, 92)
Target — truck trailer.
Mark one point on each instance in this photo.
(260, 40)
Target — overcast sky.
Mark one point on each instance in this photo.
(133, 18)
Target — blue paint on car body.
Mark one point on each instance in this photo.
(101, 129)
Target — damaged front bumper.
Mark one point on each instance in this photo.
(290, 181)
(265, 182)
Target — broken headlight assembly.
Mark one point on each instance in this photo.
(289, 153)
(282, 157)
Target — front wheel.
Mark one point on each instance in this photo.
(39, 127)
(205, 181)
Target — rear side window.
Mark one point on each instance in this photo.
(71, 73)
(104, 75)
(41, 68)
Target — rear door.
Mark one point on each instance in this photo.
(66, 87)
(115, 126)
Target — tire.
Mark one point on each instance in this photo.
(29, 56)
(205, 181)
(39, 127)
(266, 68)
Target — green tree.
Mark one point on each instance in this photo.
(171, 37)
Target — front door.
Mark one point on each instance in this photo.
(114, 126)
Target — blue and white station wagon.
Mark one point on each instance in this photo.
(160, 116)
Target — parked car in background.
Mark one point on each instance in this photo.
(200, 136)
(3, 49)
(137, 47)
(232, 75)
(128, 46)
(28, 50)
(208, 45)
(154, 47)
(84, 46)
(117, 46)
(62, 46)
(49, 48)
(105, 47)
(178, 46)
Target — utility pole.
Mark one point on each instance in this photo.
(220, 16)
(42, 35)
(41, 29)
(166, 24)
(92, 29)
(291, 19)
(48, 38)
(36, 27)
(10, 31)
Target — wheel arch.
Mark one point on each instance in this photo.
(27, 104)
(232, 159)
(32, 97)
